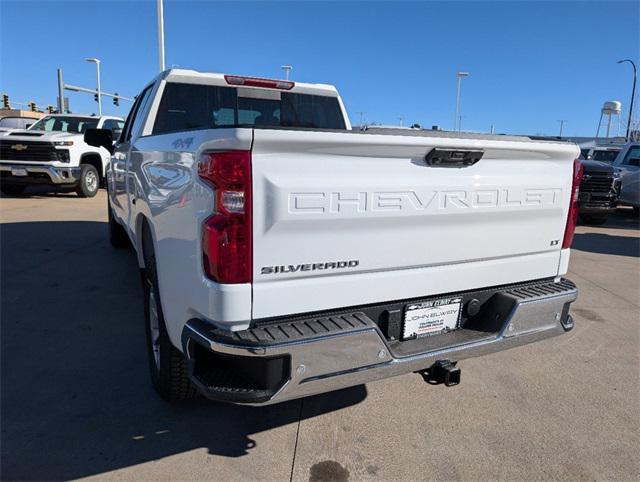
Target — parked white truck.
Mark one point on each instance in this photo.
(53, 152)
(285, 255)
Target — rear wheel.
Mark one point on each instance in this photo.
(167, 364)
(89, 181)
(593, 219)
(12, 189)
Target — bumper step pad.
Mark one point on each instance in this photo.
(289, 331)
(532, 292)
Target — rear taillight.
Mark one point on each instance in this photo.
(572, 218)
(226, 235)
(259, 82)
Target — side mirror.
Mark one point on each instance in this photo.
(99, 138)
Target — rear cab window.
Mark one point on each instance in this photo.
(190, 106)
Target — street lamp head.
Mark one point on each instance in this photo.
(93, 59)
(627, 60)
(287, 69)
(633, 93)
(462, 74)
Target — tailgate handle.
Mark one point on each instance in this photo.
(453, 157)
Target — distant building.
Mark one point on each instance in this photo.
(21, 113)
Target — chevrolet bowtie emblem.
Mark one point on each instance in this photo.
(19, 147)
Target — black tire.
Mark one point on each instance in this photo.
(12, 189)
(89, 181)
(167, 364)
(117, 234)
(594, 219)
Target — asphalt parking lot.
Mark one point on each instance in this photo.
(76, 400)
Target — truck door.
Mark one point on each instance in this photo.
(124, 187)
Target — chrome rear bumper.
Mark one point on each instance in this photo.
(328, 353)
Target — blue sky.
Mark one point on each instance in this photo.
(531, 63)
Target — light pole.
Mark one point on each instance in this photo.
(456, 125)
(97, 62)
(562, 122)
(287, 69)
(160, 11)
(61, 109)
(633, 92)
(401, 119)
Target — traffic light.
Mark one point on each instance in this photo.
(5, 101)
(95, 97)
(116, 101)
(32, 106)
(50, 109)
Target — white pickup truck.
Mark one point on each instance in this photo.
(285, 255)
(53, 152)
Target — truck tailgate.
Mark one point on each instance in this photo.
(346, 219)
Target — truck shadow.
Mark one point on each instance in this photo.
(40, 192)
(607, 244)
(76, 399)
(622, 218)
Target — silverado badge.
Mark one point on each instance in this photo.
(19, 147)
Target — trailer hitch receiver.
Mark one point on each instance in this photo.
(443, 371)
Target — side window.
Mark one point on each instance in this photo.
(115, 126)
(131, 123)
(633, 157)
(118, 125)
(125, 136)
(139, 116)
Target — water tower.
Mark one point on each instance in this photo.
(610, 109)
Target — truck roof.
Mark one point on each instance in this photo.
(213, 78)
(86, 116)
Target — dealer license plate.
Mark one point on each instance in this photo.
(431, 318)
(18, 172)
